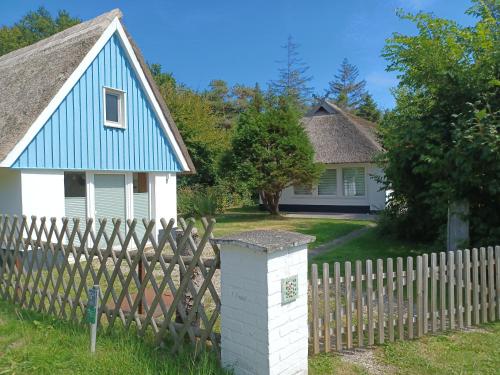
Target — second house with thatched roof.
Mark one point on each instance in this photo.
(347, 146)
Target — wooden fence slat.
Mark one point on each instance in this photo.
(459, 289)
(369, 301)
(348, 304)
(38, 279)
(401, 308)
(326, 305)
(497, 264)
(409, 292)
(434, 279)
(338, 307)
(425, 293)
(25, 246)
(451, 289)
(468, 289)
(491, 284)
(484, 290)
(390, 299)
(14, 245)
(380, 300)
(475, 286)
(359, 303)
(34, 255)
(315, 308)
(420, 304)
(442, 290)
(6, 269)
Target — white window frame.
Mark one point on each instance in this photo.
(336, 185)
(313, 191)
(122, 110)
(129, 197)
(364, 181)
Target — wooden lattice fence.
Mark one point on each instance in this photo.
(165, 286)
(431, 293)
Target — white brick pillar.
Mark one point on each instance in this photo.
(264, 330)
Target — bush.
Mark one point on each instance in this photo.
(199, 200)
(409, 222)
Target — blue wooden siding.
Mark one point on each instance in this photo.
(75, 137)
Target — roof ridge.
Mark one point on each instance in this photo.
(62, 36)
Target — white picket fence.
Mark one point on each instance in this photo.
(430, 293)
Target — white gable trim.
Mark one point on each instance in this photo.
(114, 26)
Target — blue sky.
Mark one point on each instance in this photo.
(239, 41)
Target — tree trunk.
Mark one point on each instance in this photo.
(271, 201)
(186, 303)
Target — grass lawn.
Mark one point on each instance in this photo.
(467, 352)
(332, 364)
(371, 245)
(474, 352)
(239, 220)
(31, 343)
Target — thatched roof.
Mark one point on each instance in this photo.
(31, 76)
(340, 137)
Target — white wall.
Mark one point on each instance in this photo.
(373, 198)
(42, 193)
(164, 203)
(10, 192)
(377, 196)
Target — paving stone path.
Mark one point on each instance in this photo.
(338, 241)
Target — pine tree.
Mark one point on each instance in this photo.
(293, 81)
(345, 89)
(368, 109)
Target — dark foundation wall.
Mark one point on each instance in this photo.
(323, 208)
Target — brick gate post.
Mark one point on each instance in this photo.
(264, 326)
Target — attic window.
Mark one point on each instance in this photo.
(114, 108)
(321, 111)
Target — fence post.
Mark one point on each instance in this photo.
(264, 326)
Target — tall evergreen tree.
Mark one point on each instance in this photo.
(345, 89)
(368, 108)
(271, 151)
(293, 81)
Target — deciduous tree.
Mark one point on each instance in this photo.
(34, 26)
(443, 137)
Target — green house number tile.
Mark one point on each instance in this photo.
(289, 289)
(91, 314)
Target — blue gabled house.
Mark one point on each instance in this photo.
(84, 132)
